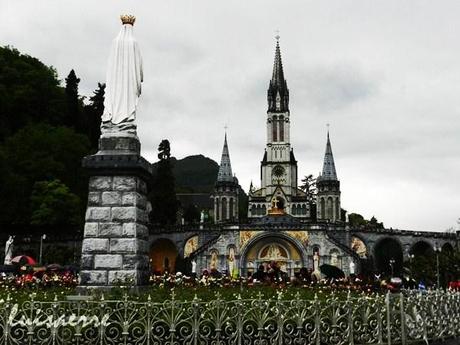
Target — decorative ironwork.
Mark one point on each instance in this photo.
(405, 318)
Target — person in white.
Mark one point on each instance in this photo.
(193, 267)
(352, 267)
(9, 250)
(316, 262)
(123, 83)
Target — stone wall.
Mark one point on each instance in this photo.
(115, 244)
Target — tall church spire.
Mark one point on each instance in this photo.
(225, 168)
(278, 93)
(329, 172)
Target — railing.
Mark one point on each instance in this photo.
(380, 319)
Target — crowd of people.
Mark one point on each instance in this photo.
(29, 277)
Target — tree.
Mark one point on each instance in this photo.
(73, 102)
(93, 114)
(309, 187)
(164, 150)
(356, 220)
(375, 223)
(30, 92)
(163, 195)
(52, 203)
(192, 214)
(423, 268)
(39, 152)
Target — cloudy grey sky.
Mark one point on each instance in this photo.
(384, 74)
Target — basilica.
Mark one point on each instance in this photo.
(278, 170)
(285, 226)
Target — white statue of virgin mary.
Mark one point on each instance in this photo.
(9, 250)
(123, 86)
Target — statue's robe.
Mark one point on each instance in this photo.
(124, 78)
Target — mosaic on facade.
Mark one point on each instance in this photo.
(245, 236)
(301, 236)
(359, 247)
(190, 246)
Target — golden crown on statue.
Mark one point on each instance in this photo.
(127, 19)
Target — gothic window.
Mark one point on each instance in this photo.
(224, 209)
(264, 210)
(330, 209)
(304, 209)
(337, 208)
(294, 210)
(217, 209)
(253, 210)
(281, 128)
(231, 208)
(275, 129)
(323, 208)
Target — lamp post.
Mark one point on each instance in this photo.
(437, 250)
(392, 262)
(42, 237)
(411, 257)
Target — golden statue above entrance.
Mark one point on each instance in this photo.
(275, 210)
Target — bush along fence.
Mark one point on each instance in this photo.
(403, 318)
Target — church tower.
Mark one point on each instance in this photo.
(278, 167)
(225, 193)
(328, 199)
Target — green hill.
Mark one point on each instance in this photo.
(195, 174)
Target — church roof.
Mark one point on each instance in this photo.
(278, 93)
(225, 168)
(329, 172)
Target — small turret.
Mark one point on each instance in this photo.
(226, 189)
(328, 200)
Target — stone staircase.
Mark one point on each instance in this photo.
(340, 242)
(214, 237)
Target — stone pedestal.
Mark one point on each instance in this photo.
(115, 247)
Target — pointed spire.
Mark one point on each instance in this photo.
(278, 93)
(278, 73)
(329, 172)
(225, 168)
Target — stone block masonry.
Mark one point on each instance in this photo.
(115, 247)
(115, 243)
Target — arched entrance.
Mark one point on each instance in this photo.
(265, 249)
(163, 254)
(421, 248)
(388, 255)
(447, 248)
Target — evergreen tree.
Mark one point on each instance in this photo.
(163, 195)
(75, 116)
(309, 187)
(94, 113)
